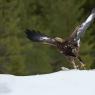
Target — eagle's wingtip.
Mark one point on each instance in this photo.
(26, 31)
(29, 32)
(33, 35)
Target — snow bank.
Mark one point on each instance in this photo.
(72, 82)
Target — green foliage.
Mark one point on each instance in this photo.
(20, 56)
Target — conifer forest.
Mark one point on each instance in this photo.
(20, 56)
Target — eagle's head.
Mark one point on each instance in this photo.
(59, 39)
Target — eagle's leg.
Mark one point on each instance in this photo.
(82, 64)
(74, 64)
(72, 60)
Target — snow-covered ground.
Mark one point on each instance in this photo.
(72, 82)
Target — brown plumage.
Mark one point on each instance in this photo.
(70, 46)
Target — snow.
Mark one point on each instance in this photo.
(71, 82)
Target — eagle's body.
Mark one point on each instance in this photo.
(67, 47)
(70, 46)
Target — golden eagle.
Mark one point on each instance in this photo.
(70, 46)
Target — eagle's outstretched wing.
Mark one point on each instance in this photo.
(80, 30)
(36, 36)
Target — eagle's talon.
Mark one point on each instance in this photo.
(76, 67)
(83, 66)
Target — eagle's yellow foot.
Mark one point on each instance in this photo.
(76, 67)
(83, 66)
